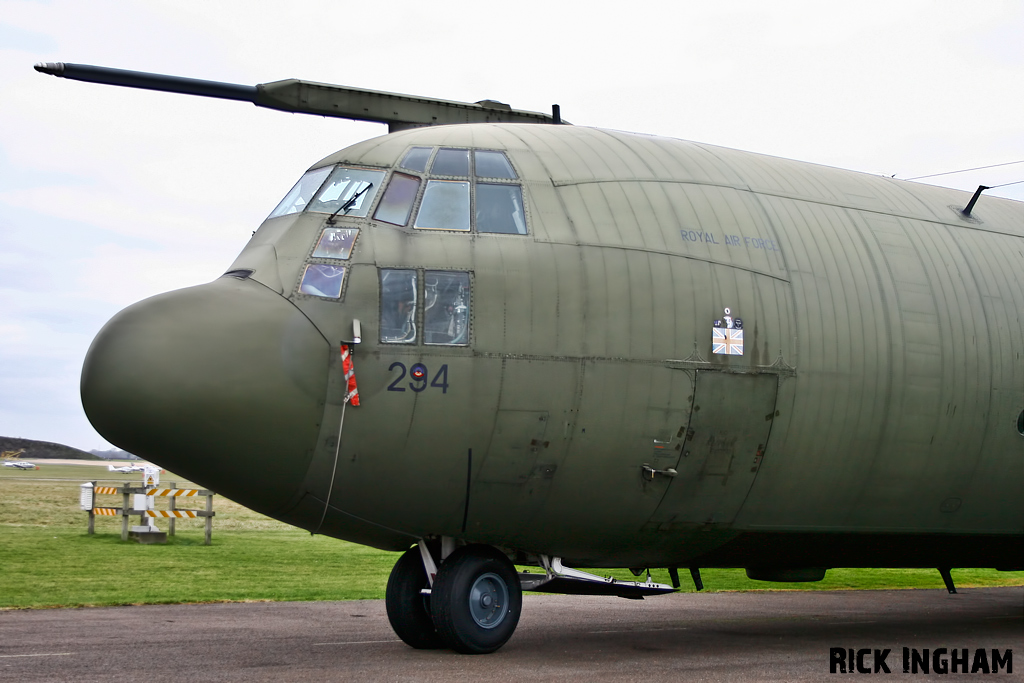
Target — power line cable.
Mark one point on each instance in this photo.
(979, 168)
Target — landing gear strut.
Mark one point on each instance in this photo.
(473, 606)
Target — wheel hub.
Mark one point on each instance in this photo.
(488, 599)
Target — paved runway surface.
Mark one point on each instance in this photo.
(782, 636)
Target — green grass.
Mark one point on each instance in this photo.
(69, 568)
(48, 560)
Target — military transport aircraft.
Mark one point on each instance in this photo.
(515, 341)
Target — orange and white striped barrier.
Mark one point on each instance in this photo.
(180, 514)
(111, 490)
(107, 512)
(172, 492)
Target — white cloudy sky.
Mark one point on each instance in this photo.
(109, 195)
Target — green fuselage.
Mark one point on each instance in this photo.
(870, 418)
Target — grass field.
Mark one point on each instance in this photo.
(48, 560)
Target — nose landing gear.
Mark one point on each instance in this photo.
(472, 607)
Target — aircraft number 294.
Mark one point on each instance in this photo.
(419, 374)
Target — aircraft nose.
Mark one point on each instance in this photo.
(223, 383)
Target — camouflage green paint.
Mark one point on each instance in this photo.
(877, 394)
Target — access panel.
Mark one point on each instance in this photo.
(726, 438)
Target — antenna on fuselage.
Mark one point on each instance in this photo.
(974, 200)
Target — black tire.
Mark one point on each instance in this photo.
(408, 609)
(476, 600)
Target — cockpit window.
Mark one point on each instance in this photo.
(465, 190)
(322, 280)
(396, 204)
(445, 205)
(298, 197)
(416, 158)
(397, 306)
(451, 162)
(492, 165)
(445, 308)
(336, 243)
(348, 192)
(499, 208)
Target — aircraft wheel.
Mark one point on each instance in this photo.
(476, 600)
(408, 609)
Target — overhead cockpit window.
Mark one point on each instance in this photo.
(416, 159)
(451, 162)
(445, 308)
(463, 192)
(298, 197)
(397, 306)
(499, 208)
(322, 280)
(445, 205)
(396, 204)
(336, 243)
(348, 192)
(492, 165)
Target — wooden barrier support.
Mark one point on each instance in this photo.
(124, 515)
(172, 513)
(171, 505)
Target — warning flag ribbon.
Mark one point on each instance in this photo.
(351, 390)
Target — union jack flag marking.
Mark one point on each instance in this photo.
(726, 342)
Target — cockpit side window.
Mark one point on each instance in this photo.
(298, 197)
(348, 192)
(499, 208)
(322, 280)
(396, 204)
(397, 306)
(336, 243)
(445, 308)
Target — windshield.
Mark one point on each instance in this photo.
(348, 192)
(298, 197)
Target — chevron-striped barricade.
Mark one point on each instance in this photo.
(88, 503)
(175, 514)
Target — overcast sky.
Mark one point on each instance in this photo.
(109, 195)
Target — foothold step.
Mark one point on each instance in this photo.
(632, 590)
(560, 579)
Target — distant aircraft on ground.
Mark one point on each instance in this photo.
(22, 465)
(126, 469)
(587, 348)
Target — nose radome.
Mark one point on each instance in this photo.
(222, 383)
